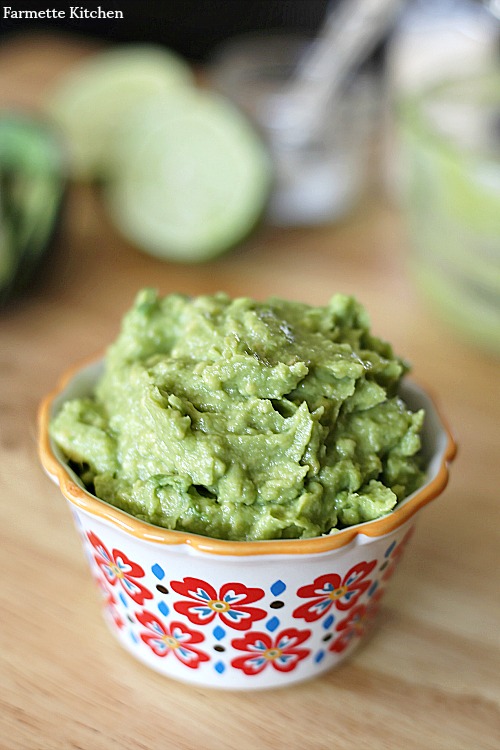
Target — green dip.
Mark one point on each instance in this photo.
(246, 420)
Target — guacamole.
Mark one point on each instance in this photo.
(246, 420)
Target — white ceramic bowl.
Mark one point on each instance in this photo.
(239, 615)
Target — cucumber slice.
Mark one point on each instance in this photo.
(32, 188)
(193, 179)
(93, 98)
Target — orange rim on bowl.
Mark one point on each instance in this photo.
(143, 530)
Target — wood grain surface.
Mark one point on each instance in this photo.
(430, 676)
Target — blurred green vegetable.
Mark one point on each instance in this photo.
(191, 177)
(94, 96)
(32, 185)
(185, 176)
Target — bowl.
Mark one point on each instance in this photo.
(239, 615)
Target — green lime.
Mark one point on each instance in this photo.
(192, 176)
(93, 98)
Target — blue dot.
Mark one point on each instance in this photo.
(219, 667)
(134, 637)
(319, 657)
(277, 588)
(272, 624)
(373, 588)
(158, 571)
(328, 621)
(219, 633)
(163, 608)
(123, 599)
(389, 549)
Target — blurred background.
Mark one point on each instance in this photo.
(346, 100)
(193, 30)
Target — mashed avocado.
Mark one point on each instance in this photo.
(246, 420)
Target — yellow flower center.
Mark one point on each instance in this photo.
(338, 593)
(116, 570)
(272, 653)
(359, 623)
(218, 606)
(171, 641)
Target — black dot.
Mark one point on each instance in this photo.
(219, 648)
(130, 618)
(277, 604)
(327, 637)
(162, 589)
(384, 565)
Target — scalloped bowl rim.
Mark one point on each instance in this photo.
(439, 454)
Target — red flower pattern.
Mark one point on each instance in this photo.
(117, 568)
(261, 650)
(175, 638)
(330, 589)
(109, 601)
(230, 604)
(233, 603)
(357, 623)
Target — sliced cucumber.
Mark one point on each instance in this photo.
(32, 187)
(193, 176)
(93, 98)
